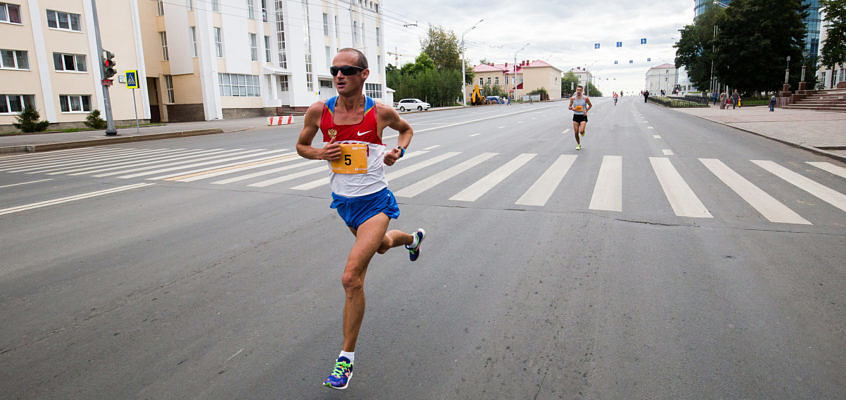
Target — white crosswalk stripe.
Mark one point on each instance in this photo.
(325, 180)
(157, 162)
(681, 197)
(427, 183)
(769, 207)
(824, 193)
(265, 172)
(608, 191)
(286, 178)
(38, 167)
(540, 192)
(826, 166)
(110, 166)
(482, 186)
(208, 161)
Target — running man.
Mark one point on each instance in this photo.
(352, 125)
(580, 105)
(615, 98)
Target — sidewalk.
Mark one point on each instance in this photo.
(821, 132)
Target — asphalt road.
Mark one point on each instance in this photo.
(670, 258)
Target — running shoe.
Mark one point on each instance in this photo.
(578, 147)
(341, 375)
(582, 133)
(414, 252)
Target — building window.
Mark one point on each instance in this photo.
(307, 43)
(216, 5)
(283, 83)
(280, 33)
(75, 103)
(363, 37)
(337, 28)
(169, 87)
(251, 9)
(10, 13)
(264, 10)
(238, 85)
(481, 81)
(163, 37)
(379, 63)
(378, 37)
(63, 20)
(194, 41)
(69, 62)
(14, 59)
(253, 47)
(267, 48)
(373, 90)
(496, 80)
(355, 33)
(328, 55)
(15, 103)
(189, 4)
(218, 41)
(160, 7)
(325, 24)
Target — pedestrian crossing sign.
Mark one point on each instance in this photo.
(132, 79)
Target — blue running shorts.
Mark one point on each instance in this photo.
(355, 210)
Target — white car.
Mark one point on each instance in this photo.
(412, 104)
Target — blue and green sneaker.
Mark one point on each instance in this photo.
(340, 376)
(414, 252)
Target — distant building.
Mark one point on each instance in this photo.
(583, 75)
(526, 77)
(668, 78)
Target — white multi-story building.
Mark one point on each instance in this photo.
(213, 59)
(668, 78)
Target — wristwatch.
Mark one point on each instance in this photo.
(402, 151)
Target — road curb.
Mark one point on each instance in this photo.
(32, 148)
(789, 143)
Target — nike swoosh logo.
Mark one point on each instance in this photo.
(362, 133)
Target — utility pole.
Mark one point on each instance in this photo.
(110, 122)
(463, 83)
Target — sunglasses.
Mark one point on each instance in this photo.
(347, 70)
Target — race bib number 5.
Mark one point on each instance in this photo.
(353, 159)
(578, 108)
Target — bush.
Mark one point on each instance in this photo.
(28, 121)
(94, 121)
(544, 95)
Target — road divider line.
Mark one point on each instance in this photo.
(822, 192)
(427, 183)
(482, 186)
(68, 199)
(681, 197)
(656, 136)
(667, 152)
(476, 120)
(540, 192)
(772, 209)
(432, 147)
(24, 183)
(829, 167)
(608, 191)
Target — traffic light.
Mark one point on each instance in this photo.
(109, 65)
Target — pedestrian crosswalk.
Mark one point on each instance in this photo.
(428, 171)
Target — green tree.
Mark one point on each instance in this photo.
(834, 46)
(568, 84)
(442, 46)
(694, 50)
(754, 39)
(94, 121)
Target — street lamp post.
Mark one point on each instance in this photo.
(514, 78)
(463, 83)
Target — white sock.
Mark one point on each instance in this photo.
(414, 241)
(348, 354)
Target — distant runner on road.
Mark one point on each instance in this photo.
(580, 105)
(352, 125)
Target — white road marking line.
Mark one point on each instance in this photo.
(18, 160)
(233, 168)
(539, 193)
(67, 199)
(475, 134)
(766, 205)
(42, 164)
(265, 172)
(482, 186)
(433, 180)
(477, 120)
(681, 197)
(432, 147)
(649, 127)
(656, 136)
(824, 193)
(25, 183)
(182, 165)
(423, 164)
(203, 155)
(215, 168)
(834, 169)
(608, 191)
(136, 160)
(57, 169)
(29, 156)
(325, 180)
(565, 131)
(500, 127)
(293, 176)
(667, 152)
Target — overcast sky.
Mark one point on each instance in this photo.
(561, 32)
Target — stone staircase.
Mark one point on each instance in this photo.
(824, 100)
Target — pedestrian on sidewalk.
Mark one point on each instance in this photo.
(772, 103)
(645, 95)
(735, 99)
(723, 98)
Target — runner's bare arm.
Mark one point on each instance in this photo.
(571, 104)
(589, 106)
(391, 118)
(311, 125)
